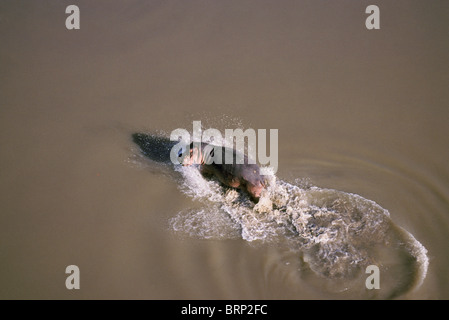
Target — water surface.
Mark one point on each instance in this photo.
(362, 113)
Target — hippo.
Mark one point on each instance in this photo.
(245, 176)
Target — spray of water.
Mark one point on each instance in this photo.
(336, 234)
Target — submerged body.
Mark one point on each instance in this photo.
(236, 174)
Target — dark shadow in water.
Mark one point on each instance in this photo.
(155, 147)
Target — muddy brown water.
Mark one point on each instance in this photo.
(361, 112)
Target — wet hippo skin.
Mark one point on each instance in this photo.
(234, 174)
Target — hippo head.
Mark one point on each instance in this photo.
(187, 158)
(255, 189)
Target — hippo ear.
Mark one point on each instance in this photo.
(212, 152)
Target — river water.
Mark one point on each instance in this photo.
(362, 117)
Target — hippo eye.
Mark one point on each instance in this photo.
(180, 152)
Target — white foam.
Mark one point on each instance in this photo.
(417, 250)
(334, 230)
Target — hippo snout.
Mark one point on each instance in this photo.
(255, 190)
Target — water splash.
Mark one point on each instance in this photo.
(336, 234)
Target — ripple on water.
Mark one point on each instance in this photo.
(335, 234)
